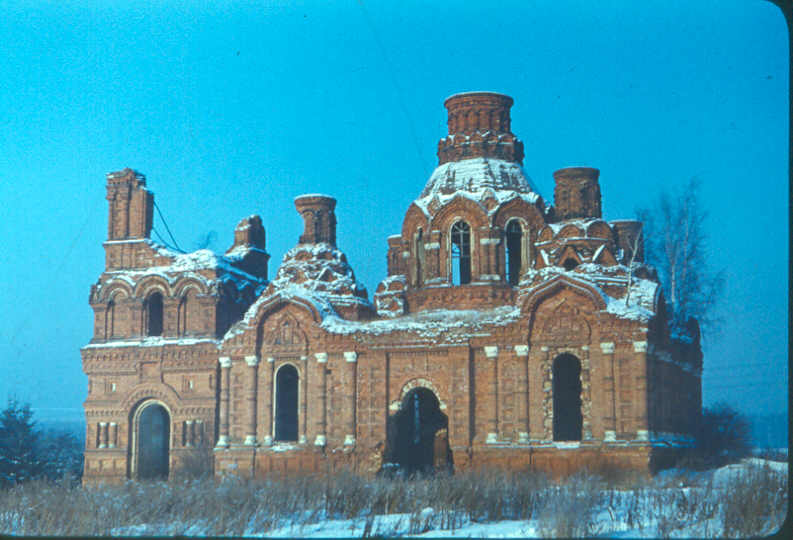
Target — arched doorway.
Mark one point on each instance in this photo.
(286, 385)
(567, 418)
(152, 441)
(418, 434)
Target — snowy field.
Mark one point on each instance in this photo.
(744, 499)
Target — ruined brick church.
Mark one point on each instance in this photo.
(509, 332)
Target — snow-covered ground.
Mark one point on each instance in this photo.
(675, 503)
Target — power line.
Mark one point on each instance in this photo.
(162, 218)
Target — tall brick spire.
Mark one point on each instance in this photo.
(479, 126)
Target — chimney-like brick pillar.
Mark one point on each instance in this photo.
(479, 126)
(577, 193)
(319, 219)
(131, 206)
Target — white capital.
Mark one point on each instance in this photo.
(607, 347)
(321, 357)
(252, 360)
(319, 441)
(270, 359)
(491, 351)
(522, 350)
(351, 356)
(640, 346)
(225, 361)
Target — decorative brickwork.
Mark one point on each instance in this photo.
(503, 334)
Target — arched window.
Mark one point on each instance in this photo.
(567, 418)
(154, 314)
(110, 319)
(286, 403)
(419, 256)
(514, 234)
(461, 253)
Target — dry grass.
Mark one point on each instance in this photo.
(574, 507)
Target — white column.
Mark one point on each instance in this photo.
(225, 390)
(522, 352)
(492, 436)
(351, 358)
(322, 359)
(253, 362)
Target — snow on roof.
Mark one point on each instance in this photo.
(477, 179)
(582, 223)
(203, 259)
(315, 273)
(640, 305)
(448, 323)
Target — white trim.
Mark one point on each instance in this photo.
(607, 347)
(609, 436)
(642, 435)
(270, 359)
(225, 361)
(349, 440)
(489, 241)
(322, 357)
(640, 346)
(489, 277)
(522, 350)
(250, 440)
(223, 441)
(523, 437)
(432, 245)
(320, 440)
(492, 438)
(491, 351)
(351, 356)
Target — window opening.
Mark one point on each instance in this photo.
(419, 256)
(286, 404)
(461, 253)
(567, 418)
(569, 264)
(514, 252)
(154, 315)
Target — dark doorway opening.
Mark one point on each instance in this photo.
(567, 418)
(153, 441)
(418, 440)
(286, 404)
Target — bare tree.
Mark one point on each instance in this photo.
(676, 244)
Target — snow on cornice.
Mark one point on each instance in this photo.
(477, 179)
(203, 259)
(445, 323)
(150, 342)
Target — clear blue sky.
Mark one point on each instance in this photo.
(234, 110)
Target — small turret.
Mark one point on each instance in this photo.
(319, 218)
(479, 126)
(577, 193)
